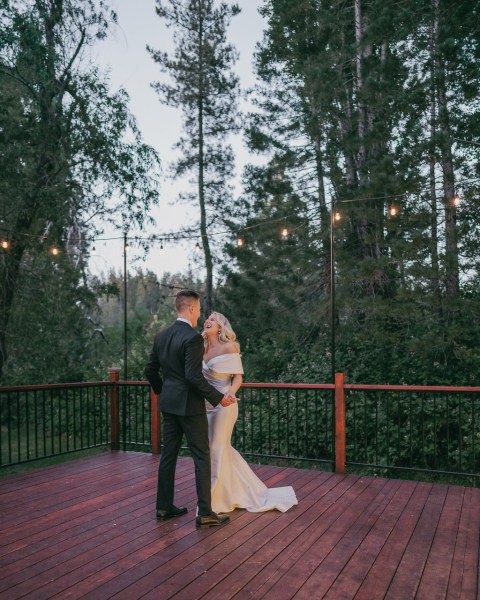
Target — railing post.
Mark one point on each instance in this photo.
(340, 424)
(156, 422)
(114, 375)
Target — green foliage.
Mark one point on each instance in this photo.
(71, 160)
(150, 307)
(357, 111)
(49, 331)
(352, 114)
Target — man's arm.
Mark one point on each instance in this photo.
(193, 371)
(151, 371)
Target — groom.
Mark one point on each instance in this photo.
(178, 352)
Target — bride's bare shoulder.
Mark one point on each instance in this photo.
(229, 348)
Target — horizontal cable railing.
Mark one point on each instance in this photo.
(381, 429)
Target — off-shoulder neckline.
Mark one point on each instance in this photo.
(220, 355)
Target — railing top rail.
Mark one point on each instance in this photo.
(290, 386)
(298, 386)
(52, 386)
(412, 388)
(317, 386)
(347, 386)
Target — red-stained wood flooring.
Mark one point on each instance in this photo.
(87, 529)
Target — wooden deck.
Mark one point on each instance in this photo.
(87, 529)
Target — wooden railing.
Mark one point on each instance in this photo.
(381, 428)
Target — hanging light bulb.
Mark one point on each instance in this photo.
(5, 244)
(240, 242)
(94, 250)
(197, 248)
(393, 211)
(126, 247)
(284, 233)
(55, 251)
(161, 247)
(337, 215)
(456, 200)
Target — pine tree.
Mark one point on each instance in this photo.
(205, 88)
(352, 94)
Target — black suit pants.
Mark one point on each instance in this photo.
(195, 428)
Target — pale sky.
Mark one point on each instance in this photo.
(131, 67)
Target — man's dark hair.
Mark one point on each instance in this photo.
(184, 298)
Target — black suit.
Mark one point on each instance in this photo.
(177, 352)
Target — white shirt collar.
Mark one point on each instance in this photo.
(184, 320)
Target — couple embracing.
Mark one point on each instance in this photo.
(200, 376)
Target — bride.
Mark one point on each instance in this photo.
(234, 484)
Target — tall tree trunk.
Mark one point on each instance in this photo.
(433, 193)
(325, 215)
(450, 209)
(350, 171)
(201, 175)
(362, 109)
(346, 121)
(360, 53)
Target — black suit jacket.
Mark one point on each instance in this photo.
(178, 352)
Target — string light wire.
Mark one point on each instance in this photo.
(188, 234)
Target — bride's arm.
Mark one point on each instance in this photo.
(235, 384)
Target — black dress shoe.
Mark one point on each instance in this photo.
(213, 520)
(162, 515)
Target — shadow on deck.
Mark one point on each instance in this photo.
(87, 529)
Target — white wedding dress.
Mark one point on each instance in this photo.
(234, 484)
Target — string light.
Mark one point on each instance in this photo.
(393, 210)
(161, 246)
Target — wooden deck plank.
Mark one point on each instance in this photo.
(376, 583)
(151, 574)
(217, 564)
(410, 569)
(269, 543)
(78, 524)
(352, 557)
(96, 554)
(71, 489)
(321, 539)
(470, 566)
(274, 563)
(436, 574)
(355, 570)
(42, 524)
(86, 529)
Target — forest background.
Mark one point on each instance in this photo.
(366, 114)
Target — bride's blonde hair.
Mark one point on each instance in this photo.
(225, 333)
